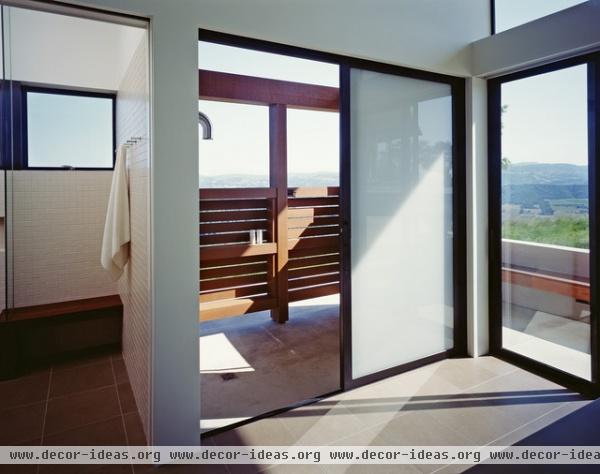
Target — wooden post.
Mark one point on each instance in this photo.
(278, 180)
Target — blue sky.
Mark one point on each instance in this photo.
(69, 130)
(546, 118)
(511, 13)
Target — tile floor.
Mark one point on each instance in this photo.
(83, 402)
(457, 401)
(453, 402)
(251, 365)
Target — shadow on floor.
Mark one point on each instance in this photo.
(580, 428)
(389, 404)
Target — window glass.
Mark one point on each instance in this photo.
(545, 219)
(69, 131)
(218, 57)
(511, 13)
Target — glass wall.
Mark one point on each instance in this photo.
(545, 219)
(401, 195)
(511, 13)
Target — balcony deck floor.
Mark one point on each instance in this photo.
(251, 365)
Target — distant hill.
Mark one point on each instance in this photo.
(545, 173)
(259, 181)
(546, 186)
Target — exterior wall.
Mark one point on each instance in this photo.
(58, 221)
(134, 285)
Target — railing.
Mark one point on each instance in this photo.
(562, 271)
(238, 277)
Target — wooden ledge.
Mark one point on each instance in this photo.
(63, 308)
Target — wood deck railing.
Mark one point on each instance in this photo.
(237, 277)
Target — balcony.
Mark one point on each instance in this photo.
(291, 277)
(546, 304)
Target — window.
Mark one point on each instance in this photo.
(65, 129)
(511, 13)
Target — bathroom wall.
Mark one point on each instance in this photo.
(58, 221)
(134, 285)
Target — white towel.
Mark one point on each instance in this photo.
(115, 242)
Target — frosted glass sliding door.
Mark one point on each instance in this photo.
(401, 220)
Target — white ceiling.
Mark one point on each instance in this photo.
(56, 49)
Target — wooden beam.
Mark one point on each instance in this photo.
(219, 252)
(228, 87)
(278, 180)
(235, 193)
(224, 309)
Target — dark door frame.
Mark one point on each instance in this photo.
(495, 224)
(458, 85)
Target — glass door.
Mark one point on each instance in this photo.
(542, 216)
(403, 211)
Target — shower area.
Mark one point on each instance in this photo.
(74, 95)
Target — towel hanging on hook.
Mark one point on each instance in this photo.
(116, 238)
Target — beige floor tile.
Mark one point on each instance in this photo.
(316, 424)
(266, 432)
(463, 373)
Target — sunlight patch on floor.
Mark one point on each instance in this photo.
(570, 360)
(218, 355)
(212, 424)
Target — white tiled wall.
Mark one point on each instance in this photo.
(134, 285)
(58, 221)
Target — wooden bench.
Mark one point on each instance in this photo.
(32, 334)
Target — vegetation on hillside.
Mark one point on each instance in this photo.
(570, 231)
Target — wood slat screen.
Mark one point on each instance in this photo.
(237, 277)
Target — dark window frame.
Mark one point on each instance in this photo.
(495, 222)
(20, 133)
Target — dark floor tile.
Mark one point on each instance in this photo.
(21, 424)
(81, 360)
(24, 390)
(21, 468)
(78, 379)
(126, 398)
(120, 371)
(79, 409)
(135, 430)
(18, 469)
(103, 433)
(85, 469)
(182, 469)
